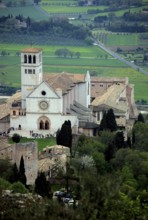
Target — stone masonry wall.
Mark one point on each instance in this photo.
(29, 151)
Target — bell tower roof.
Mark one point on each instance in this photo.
(31, 50)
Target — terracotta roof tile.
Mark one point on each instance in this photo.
(64, 81)
(112, 98)
(4, 110)
(31, 50)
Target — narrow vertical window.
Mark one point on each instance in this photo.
(30, 59)
(34, 59)
(25, 58)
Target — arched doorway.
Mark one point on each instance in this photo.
(43, 123)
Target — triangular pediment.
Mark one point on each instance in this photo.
(43, 90)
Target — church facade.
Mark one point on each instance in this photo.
(44, 101)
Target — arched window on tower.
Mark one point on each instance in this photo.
(29, 59)
(25, 58)
(34, 59)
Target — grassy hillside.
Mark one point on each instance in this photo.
(26, 11)
(91, 58)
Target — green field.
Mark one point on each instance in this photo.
(91, 58)
(18, 2)
(26, 11)
(42, 143)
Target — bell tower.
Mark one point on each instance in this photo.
(31, 71)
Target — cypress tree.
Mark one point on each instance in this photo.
(14, 177)
(22, 176)
(42, 186)
(109, 152)
(119, 140)
(64, 136)
(111, 121)
(103, 124)
(140, 118)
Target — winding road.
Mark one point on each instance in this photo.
(103, 47)
(117, 56)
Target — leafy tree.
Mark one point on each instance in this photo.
(5, 168)
(100, 162)
(110, 152)
(4, 184)
(16, 138)
(37, 1)
(3, 53)
(77, 54)
(119, 140)
(18, 187)
(140, 131)
(42, 186)
(128, 142)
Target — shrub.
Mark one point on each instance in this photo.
(18, 187)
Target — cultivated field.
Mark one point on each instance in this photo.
(26, 11)
(91, 58)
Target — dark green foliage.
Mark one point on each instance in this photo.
(21, 174)
(110, 152)
(64, 136)
(5, 169)
(103, 124)
(128, 142)
(16, 138)
(108, 121)
(111, 121)
(18, 187)
(42, 186)
(140, 118)
(119, 140)
(140, 137)
(14, 177)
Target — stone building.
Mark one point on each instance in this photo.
(116, 94)
(46, 101)
(53, 159)
(14, 152)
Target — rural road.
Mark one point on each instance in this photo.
(115, 55)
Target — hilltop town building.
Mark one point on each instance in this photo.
(47, 100)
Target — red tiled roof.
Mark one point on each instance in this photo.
(31, 50)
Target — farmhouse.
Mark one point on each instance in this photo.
(47, 100)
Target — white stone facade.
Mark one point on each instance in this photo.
(43, 106)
